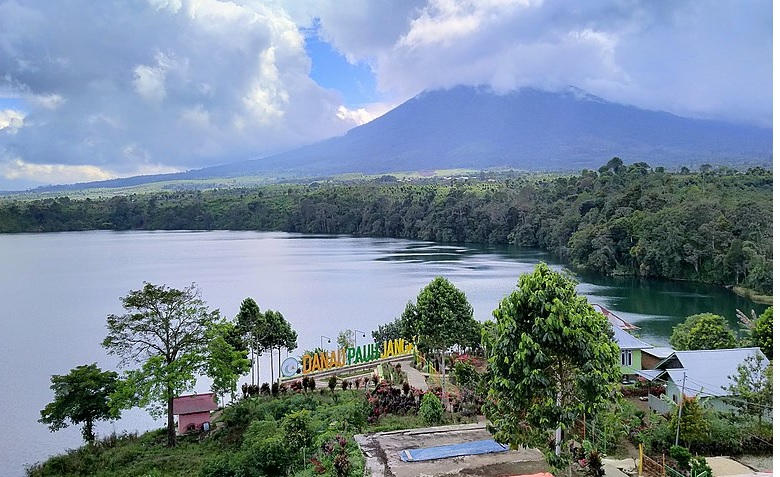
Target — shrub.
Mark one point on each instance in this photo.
(265, 389)
(223, 465)
(595, 467)
(275, 389)
(297, 428)
(466, 374)
(385, 399)
(682, 456)
(431, 409)
(272, 456)
(332, 383)
(345, 383)
(700, 468)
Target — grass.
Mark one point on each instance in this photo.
(752, 295)
(233, 438)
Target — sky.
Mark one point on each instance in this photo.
(92, 90)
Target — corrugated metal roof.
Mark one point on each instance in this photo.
(194, 403)
(625, 340)
(707, 371)
(660, 353)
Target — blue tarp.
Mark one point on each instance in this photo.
(453, 450)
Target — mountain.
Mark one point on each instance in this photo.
(528, 129)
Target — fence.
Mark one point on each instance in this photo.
(652, 468)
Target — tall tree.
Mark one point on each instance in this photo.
(277, 334)
(441, 318)
(551, 358)
(165, 331)
(761, 334)
(703, 331)
(227, 360)
(751, 387)
(250, 322)
(81, 396)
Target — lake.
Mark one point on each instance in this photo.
(57, 290)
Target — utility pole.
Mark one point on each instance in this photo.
(679, 410)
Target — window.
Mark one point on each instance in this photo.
(625, 358)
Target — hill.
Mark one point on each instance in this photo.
(528, 129)
(474, 128)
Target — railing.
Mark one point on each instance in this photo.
(652, 468)
(657, 404)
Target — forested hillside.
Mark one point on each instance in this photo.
(711, 225)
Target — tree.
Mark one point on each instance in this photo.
(692, 423)
(166, 331)
(277, 334)
(345, 339)
(249, 319)
(551, 358)
(227, 359)
(752, 387)
(761, 334)
(442, 318)
(703, 331)
(81, 396)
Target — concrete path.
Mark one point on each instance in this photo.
(415, 377)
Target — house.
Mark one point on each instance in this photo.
(702, 373)
(631, 349)
(652, 356)
(194, 411)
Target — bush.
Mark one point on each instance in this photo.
(682, 456)
(466, 374)
(224, 465)
(385, 399)
(700, 468)
(272, 456)
(332, 383)
(431, 409)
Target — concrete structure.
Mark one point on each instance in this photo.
(383, 460)
(193, 411)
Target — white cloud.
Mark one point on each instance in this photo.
(52, 173)
(123, 86)
(366, 114)
(11, 120)
(190, 83)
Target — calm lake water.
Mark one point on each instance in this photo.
(57, 290)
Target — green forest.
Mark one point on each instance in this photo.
(713, 225)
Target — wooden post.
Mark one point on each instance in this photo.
(663, 465)
(641, 459)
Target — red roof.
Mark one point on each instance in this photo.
(194, 403)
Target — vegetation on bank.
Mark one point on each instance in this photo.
(535, 372)
(713, 225)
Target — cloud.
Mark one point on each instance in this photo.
(360, 116)
(126, 85)
(706, 58)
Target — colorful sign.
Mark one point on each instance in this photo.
(312, 363)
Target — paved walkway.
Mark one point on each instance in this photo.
(415, 377)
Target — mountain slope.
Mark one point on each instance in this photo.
(528, 129)
(474, 128)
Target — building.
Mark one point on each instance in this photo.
(631, 349)
(194, 411)
(702, 373)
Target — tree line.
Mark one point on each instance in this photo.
(712, 226)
